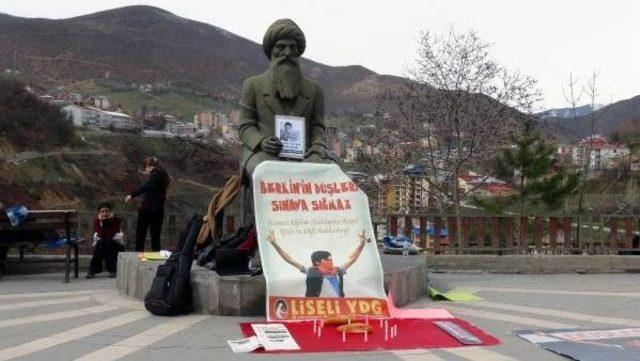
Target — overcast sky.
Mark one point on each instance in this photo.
(545, 39)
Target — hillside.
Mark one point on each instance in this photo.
(608, 120)
(146, 45)
(27, 123)
(45, 163)
(568, 112)
(107, 166)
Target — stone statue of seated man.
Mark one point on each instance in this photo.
(281, 90)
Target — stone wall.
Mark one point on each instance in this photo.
(244, 295)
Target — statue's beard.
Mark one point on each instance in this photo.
(286, 77)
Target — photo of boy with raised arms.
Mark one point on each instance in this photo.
(323, 278)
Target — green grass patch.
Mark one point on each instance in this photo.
(182, 105)
(87, 88)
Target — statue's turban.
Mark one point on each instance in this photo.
(283, 29)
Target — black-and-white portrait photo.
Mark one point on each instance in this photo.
(290, 130)
(288, 134)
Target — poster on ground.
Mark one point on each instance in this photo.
(621, 344)
(317, 245)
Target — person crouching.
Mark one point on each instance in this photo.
(107, 241)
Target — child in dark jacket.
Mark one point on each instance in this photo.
(107, 241)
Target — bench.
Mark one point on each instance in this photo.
(46, 220)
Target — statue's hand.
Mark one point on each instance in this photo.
(316, 156)
(271, 145)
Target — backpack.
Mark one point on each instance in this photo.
(235, 260)
(208, 254)
(170, 292)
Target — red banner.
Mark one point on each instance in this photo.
(305, 308)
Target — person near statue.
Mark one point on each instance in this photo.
(281, 90)
(151, 212)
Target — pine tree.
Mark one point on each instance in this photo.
(532, 167)
(535, 171)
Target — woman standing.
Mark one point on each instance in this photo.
(151, 212)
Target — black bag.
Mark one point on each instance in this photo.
(208, 254)
(232, 262)
(170, 293)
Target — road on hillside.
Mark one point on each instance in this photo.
(20, 157)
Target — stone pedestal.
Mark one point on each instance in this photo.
(244, 295)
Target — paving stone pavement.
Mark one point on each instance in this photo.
(44, 319)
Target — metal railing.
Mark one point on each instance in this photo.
(491, 234)
(496, 234)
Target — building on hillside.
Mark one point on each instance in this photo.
(85, 116)
(469, 180)
(204, 119)
(101, 102)
(351, 153)
(335, 146)
(629, 162)
(357, 177)
(634, 165)
(181, 129)
(564, 154)
(145, 88)
(230, 133)
(365, 130)
(429, 142)
(225, 125)
(170, 117)
(150, 133)
(332, 133)
(408, 193)
(489, 190)
(114, 120)
(333, 140)
(78, 114)
(228, 129)
(564, 150)
(483, 186)
(598, 152)
(234, 116)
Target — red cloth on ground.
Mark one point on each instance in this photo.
(412, 334)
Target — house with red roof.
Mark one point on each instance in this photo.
(598, 152)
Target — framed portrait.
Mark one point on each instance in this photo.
(291, 132)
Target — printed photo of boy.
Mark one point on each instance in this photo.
(323, 278)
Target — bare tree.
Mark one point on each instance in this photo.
(456, 108)
(572, 96)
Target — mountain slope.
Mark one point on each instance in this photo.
(148, 44)
(46, 163)
(580, 111)
(608, 120)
